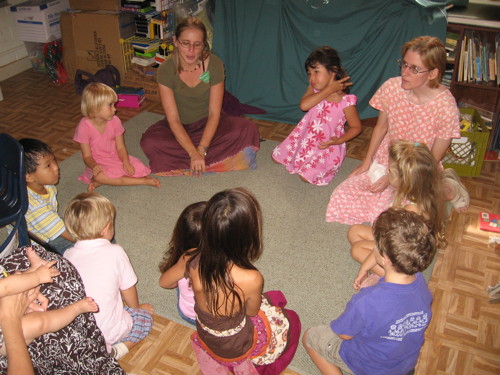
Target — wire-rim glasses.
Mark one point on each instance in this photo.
(412, 68)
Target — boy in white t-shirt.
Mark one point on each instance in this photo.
(106, 273)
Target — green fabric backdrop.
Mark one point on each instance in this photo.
(264, 44)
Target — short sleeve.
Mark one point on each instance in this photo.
(378, 100)
(82, 134)
(216, 68)
(352, 321)
(166, 73)
(128, 278)
(350, 100)
(450, 118)
(117, 125)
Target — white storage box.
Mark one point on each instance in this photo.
(38, 20)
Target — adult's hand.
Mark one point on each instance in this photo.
(12, 309)
(363, 167)
(197, 164)
(379, 185)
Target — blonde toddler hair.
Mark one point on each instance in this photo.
(95, 96)
(87, 215)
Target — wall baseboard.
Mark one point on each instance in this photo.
(14, 68)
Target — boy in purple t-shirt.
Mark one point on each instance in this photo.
(382, 328)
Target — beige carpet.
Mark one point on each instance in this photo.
(305, 257)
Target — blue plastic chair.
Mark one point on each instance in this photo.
(13, 193)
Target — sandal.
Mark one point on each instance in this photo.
(462, 199)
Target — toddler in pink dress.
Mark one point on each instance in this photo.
(100, 134)
(316, 148)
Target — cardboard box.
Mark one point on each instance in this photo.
(39, 20)
(95, 4)
(91, 40)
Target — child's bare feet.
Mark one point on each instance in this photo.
(147, 307)
(86, 305)
(93, 185)
(152, 182)
(35, 259)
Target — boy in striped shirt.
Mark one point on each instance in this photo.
(42, 174)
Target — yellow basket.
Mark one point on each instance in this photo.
(465, 155)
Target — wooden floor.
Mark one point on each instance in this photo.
(464, 335)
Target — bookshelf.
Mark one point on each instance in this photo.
(475, 78)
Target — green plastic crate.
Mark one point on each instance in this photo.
(465, 155)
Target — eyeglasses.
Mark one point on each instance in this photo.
(413, 69)
(188, 45)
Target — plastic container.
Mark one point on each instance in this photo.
(465, 155)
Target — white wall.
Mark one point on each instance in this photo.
(13, 55)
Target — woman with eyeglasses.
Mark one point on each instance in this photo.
(413, 107)
(196, 136)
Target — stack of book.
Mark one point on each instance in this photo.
(137, 6)
(145, 51)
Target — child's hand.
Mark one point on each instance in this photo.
(46, 272)
(96, 170)
(362, 274)
(332, 141)
(147, 307)
(128, 169)
(339, 85)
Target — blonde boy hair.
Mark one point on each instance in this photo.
(95, 96)
(432, 53)
(87, 216)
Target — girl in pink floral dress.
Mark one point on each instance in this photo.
(316, 148)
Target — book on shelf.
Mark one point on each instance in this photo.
(451, 40)
(479, 60)
(143, 60)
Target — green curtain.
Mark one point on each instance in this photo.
(264, 44)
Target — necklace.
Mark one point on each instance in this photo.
(192, 70)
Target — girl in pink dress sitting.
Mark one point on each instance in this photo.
(316, 148)
(100, 134)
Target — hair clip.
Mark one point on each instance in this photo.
(416, 143)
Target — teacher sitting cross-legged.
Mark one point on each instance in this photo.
(196, 136)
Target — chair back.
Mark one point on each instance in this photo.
(13, 193)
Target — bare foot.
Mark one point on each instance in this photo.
(35, 259)
(152, 182)
(93, 185)
(86, 305)
(147, 307)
